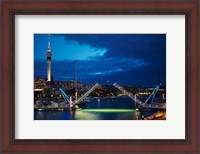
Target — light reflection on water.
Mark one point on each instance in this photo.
(106, 109)
(105, 114)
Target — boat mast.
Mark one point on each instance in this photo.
(76, 74)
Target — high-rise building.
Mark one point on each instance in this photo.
(49, 55)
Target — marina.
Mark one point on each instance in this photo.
(121, 108)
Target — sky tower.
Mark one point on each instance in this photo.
(49, 55)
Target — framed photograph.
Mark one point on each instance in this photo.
(100, 76)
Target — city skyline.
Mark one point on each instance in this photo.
(128, 59)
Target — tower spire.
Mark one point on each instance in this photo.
(49, 55)
(49, 44)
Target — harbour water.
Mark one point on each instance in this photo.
(121, 108)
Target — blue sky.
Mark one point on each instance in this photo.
(128, 59)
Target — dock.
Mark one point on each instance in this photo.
(160, 115)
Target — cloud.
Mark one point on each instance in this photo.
(125, 58)
(108, 72)
(90, 67)
(62, 49)
(126, 45)
(108, 66)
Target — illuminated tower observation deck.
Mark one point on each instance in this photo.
(49, 55)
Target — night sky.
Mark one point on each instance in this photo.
(128, 59)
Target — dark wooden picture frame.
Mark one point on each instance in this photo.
(12, 8)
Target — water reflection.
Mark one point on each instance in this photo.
(105, 109)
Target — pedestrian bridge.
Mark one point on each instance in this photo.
(138, 101)
(147, 104)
